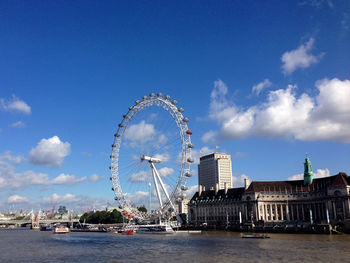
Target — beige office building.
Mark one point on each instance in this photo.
(215, 168)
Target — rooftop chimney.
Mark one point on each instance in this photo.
(200, 190)
(246, 183)
(216, 189)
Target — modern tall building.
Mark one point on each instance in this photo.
(215, 168)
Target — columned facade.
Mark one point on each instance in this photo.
(326, 200)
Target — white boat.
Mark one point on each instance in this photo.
(61, 230)
(155, 229)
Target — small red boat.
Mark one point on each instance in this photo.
(128, 232)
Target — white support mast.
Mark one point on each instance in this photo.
(156, 178)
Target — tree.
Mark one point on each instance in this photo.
(102, 217)
(142, 209)
(62, 210)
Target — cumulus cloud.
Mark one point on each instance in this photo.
(191, 191)
(18, 124)
(238, 181)
(141, 176)
(50, 152)
(320, 173)
(67, 179)
(140, 198)
(286, 114)
(16, 105)
(77, 203)
(209, 137)
(196, 154)
(141, 132)
(258, 88)
(95, 178)
(299, 58)
(165, 171)
(17, 199)
(164, 157)
(146, 176)
(10, 179)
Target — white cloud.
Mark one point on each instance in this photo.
(141, 176)
(67, 179)
(191, 191)
(17, 199)
(10, 179)
(320, 173)
(141, 132)
(196, 154)
(299, 58)
(209, 137)
(165, 171)
(164, 157)
(50, 152)
(18, 124)
(95, 178)
(146, 176)
(140, 198)
(258, 88)
(15, 104)
(61, 199)
(287, 115)
(239, 181)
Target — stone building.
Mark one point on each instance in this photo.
(321, 200)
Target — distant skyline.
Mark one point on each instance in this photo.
(266, 82)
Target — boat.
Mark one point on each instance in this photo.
(127, 232)
(61, 230)
(46, 227)
(261, 236)
(155, 229)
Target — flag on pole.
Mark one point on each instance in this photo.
(217, 147)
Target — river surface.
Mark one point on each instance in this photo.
(215, 247)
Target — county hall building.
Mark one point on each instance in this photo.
(315, 200)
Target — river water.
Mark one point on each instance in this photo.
(215, 247)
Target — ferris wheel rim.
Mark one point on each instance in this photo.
(186, 146)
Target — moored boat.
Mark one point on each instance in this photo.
(155, 229)
(261, 236)
(61, 230)
(128, 232)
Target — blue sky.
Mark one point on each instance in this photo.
(265, 81)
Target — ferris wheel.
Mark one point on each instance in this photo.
(151, 158)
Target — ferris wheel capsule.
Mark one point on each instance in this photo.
(137, 102)
(188, 174)
(174, 102)
(130, 108)
(152, 95)
(120, 125)
(190, 145)
(159, 95)
(167, 97)
(190, 160)
(184, 188)
(144, 97)
(180, 110)
(189, 132)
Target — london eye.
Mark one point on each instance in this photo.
(151, 158)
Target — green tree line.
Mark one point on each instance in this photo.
(102, 217)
